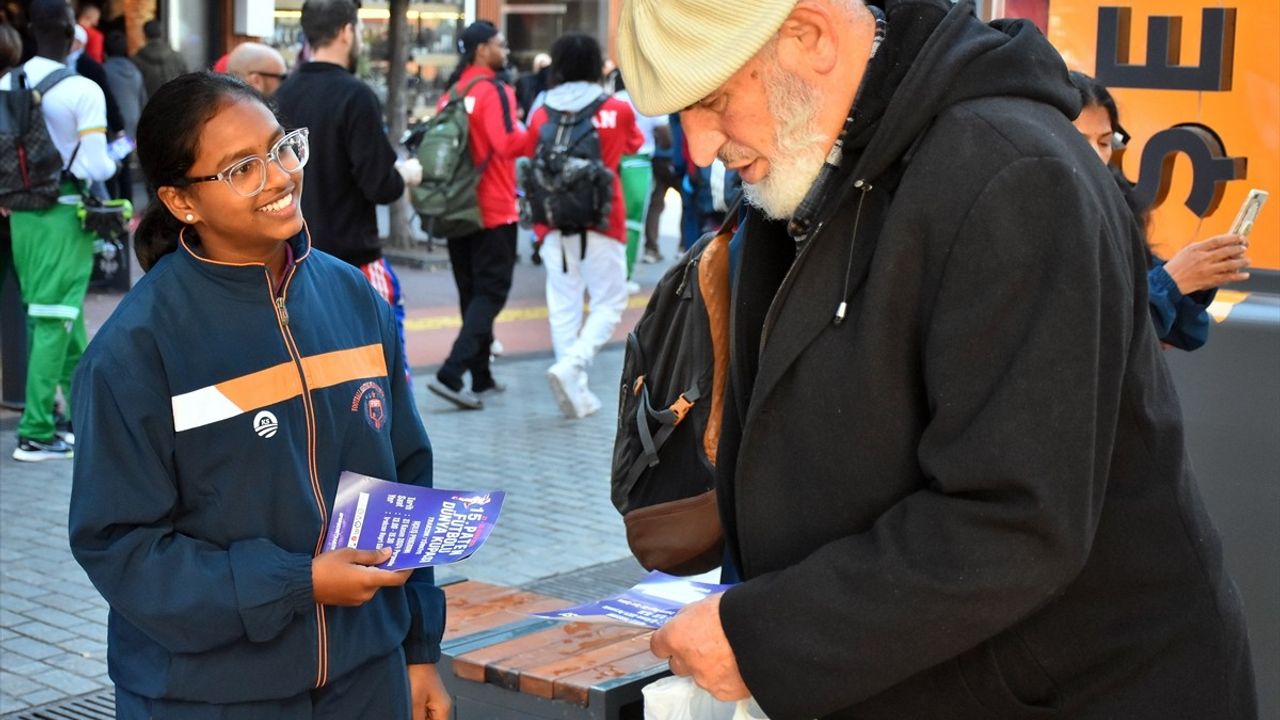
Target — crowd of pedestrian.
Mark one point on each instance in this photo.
(925, 252)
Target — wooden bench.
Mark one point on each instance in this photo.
(501, 664)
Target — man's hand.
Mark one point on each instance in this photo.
(430, 700)
(695, 643)
(1209, 263)
(410, 171)
(343, 576)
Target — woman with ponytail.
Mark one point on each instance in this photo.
(215, 411)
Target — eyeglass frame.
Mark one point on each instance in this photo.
(271, 156)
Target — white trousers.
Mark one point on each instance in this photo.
(602, 275)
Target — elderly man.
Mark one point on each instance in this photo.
(951, 470)
(259, 65)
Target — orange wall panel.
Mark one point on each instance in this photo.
(1246, 117)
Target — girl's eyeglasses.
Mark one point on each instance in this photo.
(248, 176)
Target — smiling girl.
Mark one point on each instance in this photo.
(220, 403)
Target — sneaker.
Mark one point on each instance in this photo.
(592, 403)
(29, 450)
(495, 388)
(566, 378)
(62, 430)
(651, 257)
(464, 399)
(495, 348)
(633, 287)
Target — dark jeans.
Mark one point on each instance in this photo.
(482, 267)
(664, 178)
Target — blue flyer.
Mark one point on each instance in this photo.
(650, 603)
(422, 526)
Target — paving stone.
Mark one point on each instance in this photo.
(68, 683)
(9, 704)
(30, 647)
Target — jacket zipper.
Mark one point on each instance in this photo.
(282, 319)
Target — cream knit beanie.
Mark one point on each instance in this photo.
(674, 53)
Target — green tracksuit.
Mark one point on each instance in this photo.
(636, 174)
(53, 257)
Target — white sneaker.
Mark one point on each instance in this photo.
(567, 380)
(592, 404)
(495, 348)
(633, 287)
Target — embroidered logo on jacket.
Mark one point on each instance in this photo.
(371, 402)
(265, 424)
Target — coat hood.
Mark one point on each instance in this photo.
(937, 55)
(573, 96)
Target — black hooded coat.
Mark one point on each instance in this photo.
(970, 498)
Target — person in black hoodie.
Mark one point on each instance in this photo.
(951, 472)
(355, 168)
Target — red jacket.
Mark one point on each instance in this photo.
(619, 135)
(492, 142)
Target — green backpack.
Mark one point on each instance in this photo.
(446, 199)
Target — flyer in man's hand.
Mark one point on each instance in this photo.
(422, 526)
(650, 603)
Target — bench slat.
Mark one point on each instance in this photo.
(500, 664)
(541, 680)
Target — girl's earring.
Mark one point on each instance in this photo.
(190, 217)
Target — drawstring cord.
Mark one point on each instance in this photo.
(843, 308)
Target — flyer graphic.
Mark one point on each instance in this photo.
(422, 526)
(650, 603)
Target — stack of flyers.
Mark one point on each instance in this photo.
(422, 526)
(650, 603)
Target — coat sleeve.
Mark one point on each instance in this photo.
(123, 501)
(413, 466)
(1024, 351)
(373, 162)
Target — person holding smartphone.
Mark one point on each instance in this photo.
(215, 411)
(1182, 287)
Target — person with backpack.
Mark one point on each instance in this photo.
(57, 145)
(483, 258)
(356, 169)
(577, 139)
(951, 468)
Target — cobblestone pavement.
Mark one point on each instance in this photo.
(557, 518)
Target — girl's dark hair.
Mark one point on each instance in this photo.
(10, 48)
(576, 57)
(168, 140)
(1094, 93)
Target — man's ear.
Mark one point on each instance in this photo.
(808, 43)
(178, 204)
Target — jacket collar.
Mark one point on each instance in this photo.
(241, 273)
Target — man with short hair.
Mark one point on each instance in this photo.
(52, 253)
(484, 261)
(158, 62)
(354, 169)
(259, 65)
(951, 471)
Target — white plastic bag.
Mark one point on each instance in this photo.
(679, 698)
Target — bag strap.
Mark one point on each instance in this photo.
(668, 418)
(52, 79)
(498, 86)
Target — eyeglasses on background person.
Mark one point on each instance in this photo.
(248, 176)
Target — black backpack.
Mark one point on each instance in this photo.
(567, 186)
(30, 165)
(671, 400)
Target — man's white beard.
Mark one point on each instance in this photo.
(799, 147)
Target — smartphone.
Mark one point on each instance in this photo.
(1248, 212)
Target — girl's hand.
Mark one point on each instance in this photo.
(1209, 263)
(430, 700)
(344, 576)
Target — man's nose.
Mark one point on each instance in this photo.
(702, 130)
